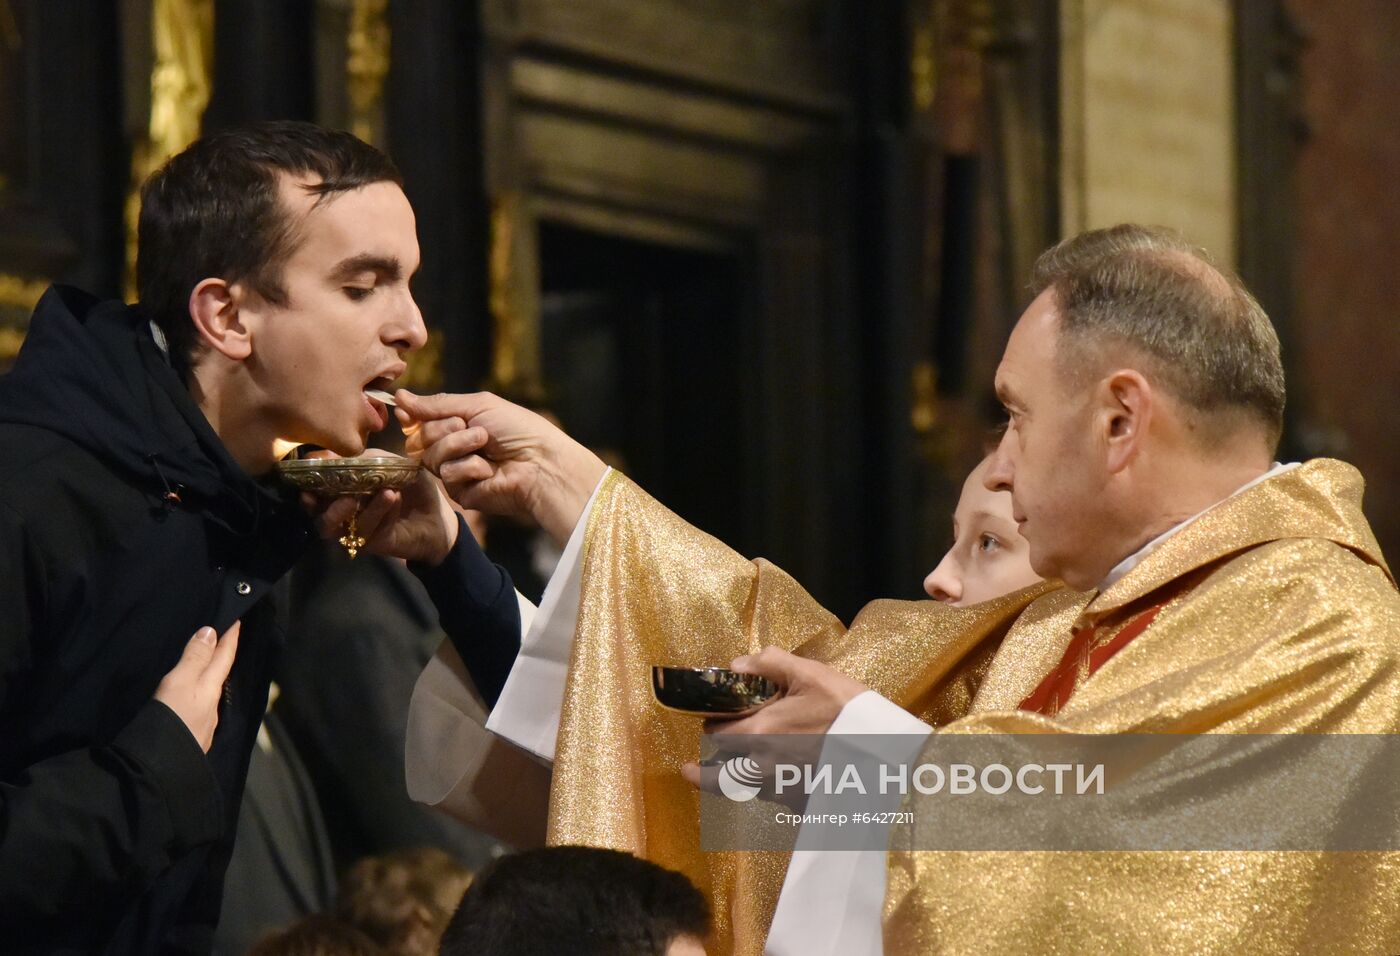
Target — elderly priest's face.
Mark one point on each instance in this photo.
(1050, 458)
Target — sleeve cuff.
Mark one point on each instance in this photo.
(466, 576)
(158, 740)
(871, 727)
(869, 713)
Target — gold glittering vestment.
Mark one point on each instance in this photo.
(1278, 615)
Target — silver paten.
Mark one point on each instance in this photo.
(349, 477)
(337, 477)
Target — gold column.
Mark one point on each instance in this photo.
(367, 63)
(181, 81)
(367, 67)
(515, 299)
(18, 296)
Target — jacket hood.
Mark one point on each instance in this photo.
(90, 370)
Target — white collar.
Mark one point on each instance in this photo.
(1136, 558)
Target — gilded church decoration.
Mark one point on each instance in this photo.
(367, 66)
(514, 299)
(18, 296)
(11, 43)
(20, 292)
(922, 75)
(181, 81)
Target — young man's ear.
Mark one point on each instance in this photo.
(1127, 412)
(215, 308)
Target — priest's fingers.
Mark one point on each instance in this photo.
(456, 444)
(758, 723)
(774, 663)
(702, 776)
(456, 461)
(427, 434)
(472, 468)
(798, 714)
(426, 408)
(826, 689)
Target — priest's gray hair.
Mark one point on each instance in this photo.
(1193, 324)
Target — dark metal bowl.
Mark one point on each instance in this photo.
(711, 691)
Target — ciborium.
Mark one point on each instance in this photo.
(710, 691)
(349, 477)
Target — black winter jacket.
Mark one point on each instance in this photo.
(125, 526)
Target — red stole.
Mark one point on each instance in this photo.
(1081, 660)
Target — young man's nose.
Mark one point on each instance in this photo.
(944, 582)
(408, 332)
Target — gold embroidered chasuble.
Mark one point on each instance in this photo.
(1279, 616)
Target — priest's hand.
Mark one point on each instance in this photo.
(417, 523)
(501, 458)
(814, 694)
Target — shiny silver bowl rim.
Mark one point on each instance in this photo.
(657, 670)
(349, 464)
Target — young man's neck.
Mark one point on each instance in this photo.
(244, 435)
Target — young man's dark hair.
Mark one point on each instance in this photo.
(214, 210)
(575, 901)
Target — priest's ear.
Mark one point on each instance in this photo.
(216, 308)
(1127, 404)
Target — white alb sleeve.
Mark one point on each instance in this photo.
(832, 900)
(528, 711)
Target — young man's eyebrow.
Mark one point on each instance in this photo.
(387, 266)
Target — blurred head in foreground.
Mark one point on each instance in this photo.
(403, 900)
(578, 901)
(317, 936)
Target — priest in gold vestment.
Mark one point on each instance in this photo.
(1206, 590)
